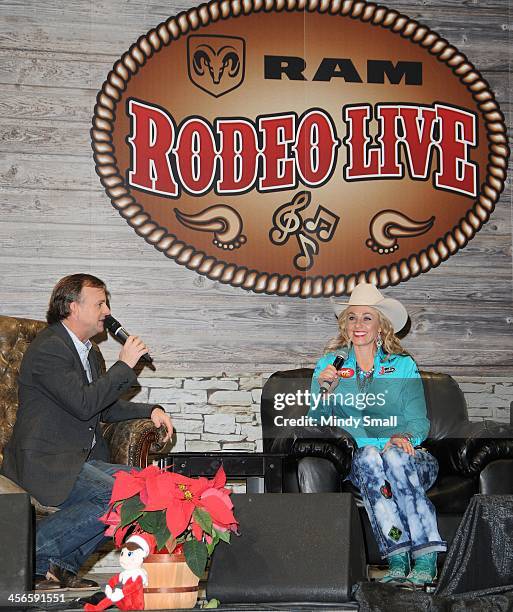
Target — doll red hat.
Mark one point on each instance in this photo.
(145, 541)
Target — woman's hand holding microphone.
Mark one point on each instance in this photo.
(329, 374)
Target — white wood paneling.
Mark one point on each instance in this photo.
(56, 219)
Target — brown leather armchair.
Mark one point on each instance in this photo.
(130, 441)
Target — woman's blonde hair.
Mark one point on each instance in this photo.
(391, 344)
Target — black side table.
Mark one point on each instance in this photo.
(251, 467)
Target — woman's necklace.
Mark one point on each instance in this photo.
(363, 378)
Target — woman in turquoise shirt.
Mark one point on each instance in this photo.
(378, 397)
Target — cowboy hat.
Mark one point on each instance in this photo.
(366, 294)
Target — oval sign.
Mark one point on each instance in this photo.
(298, 148)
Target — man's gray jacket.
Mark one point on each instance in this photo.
(60, 412)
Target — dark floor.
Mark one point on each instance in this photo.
(69, 601)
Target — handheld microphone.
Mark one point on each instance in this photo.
(116, 329)
(337, 364)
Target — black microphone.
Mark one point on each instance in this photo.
(337, 364)
(116, 329)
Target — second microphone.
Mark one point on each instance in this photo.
(337, 364)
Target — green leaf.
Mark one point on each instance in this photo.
(131, 510)
(196, 556)
(212, 603)
(155, 522)
(162, 536)
(223, 535)
(151, 522)
(204, 520)
(213, 544)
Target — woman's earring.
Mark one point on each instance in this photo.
(379, 341)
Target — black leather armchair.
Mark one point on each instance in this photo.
(474, 457)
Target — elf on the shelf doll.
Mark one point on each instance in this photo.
(126, 589)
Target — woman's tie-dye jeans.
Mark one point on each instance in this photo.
(393, 485)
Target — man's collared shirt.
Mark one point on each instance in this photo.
(83, 349)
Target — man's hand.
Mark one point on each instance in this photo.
(160, 417)
(401, 442)
(133, 349)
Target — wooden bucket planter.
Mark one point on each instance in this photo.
(171, 584)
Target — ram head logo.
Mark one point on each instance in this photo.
(216, 63)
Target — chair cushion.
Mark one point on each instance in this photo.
(446, 406)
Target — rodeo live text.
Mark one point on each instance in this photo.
(278, 151)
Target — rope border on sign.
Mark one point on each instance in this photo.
(277, 284)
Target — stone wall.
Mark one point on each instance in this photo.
(210, 414)
(487, 398)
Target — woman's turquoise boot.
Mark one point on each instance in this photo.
(398, 568)
(424, 570)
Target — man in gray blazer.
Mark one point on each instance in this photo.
(57, 451)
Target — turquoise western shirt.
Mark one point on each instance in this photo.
(392, 402)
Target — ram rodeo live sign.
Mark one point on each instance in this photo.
(297, 148)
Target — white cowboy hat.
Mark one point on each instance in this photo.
(366, 294)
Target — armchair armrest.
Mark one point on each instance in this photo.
(334, 444)
(480, 444)
(131, 441)
(489, 441)
(340, 454)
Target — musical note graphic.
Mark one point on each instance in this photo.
(323, 224)
(286, 220)
(309, 247)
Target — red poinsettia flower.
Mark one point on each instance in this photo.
(112, 518)
(176, 497)
(219, 479)
(197, 530)
(180, 495)
(218, 503)
(160, 491)
(128, 484)
(185, 497)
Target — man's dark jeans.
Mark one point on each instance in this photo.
(69, 536)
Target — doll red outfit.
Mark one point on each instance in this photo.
(130, 584)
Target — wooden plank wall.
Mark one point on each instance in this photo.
(55, 218)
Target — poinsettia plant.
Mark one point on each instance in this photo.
(182, 514)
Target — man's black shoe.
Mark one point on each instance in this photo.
(41, 583)
(68, 580)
